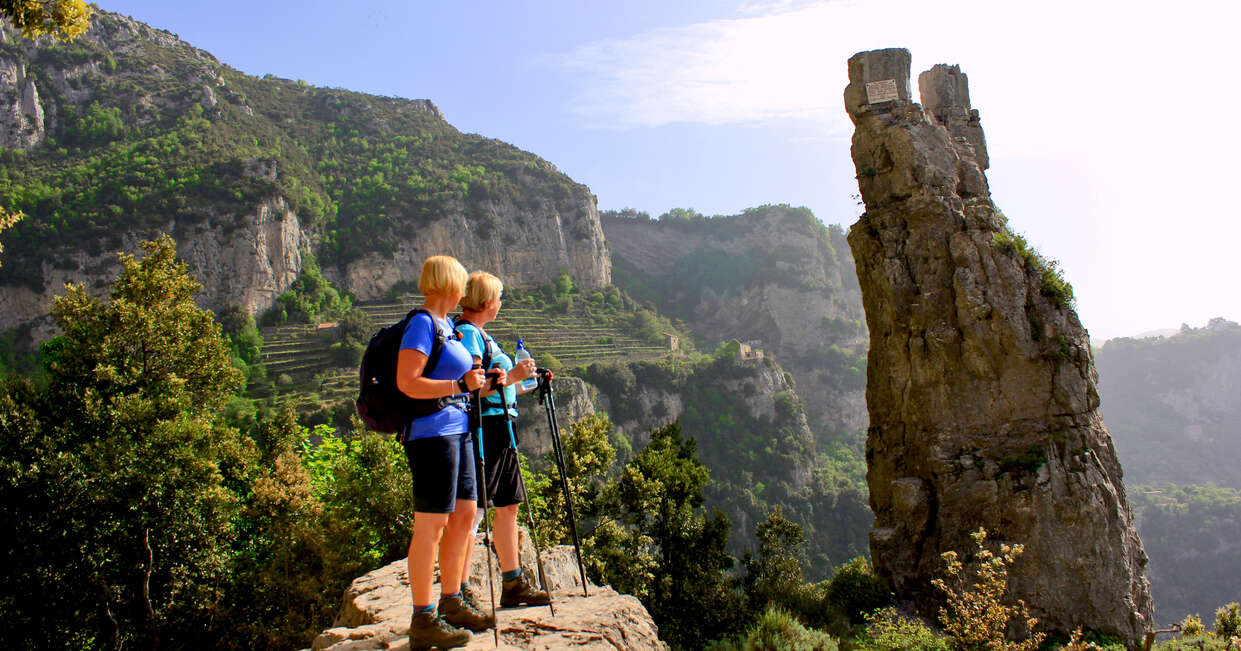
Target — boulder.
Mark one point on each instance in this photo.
(376, 609)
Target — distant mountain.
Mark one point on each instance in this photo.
(128, 132)
(1173, 405)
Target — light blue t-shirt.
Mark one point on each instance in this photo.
(453, 363)
(472, 339)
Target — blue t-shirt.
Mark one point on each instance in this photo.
(472, 339)
(454, 362)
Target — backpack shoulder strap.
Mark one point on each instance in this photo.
(437, 342)
(486, 357)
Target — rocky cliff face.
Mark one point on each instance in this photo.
(271, 169)
(981, 387)
(245, 260)
(773, 275)
(530, 248)
(376, 609)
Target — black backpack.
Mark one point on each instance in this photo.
(381, 405)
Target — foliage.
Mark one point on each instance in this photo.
(1188, 533)
(856, 591)
(1205, 642)
(1052, 282)
(309, 299)
(1228, 620)
(776, 571)
(644, 532)
(1092, 641)
(753, 460)
(1192, 625)
(245, 342)
(60, 19)
(7, 220)
(976, 616)
(887, 630)
(356, 329)
(119, 492)
(778, 630)
(362, 173)
(549, 362)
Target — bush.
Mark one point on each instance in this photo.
(887, 629)
(976, 616)
(1192, 625)
(549, 362)
(855, 590)
(1228, 620)
(779, 631)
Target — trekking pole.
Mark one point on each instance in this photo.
(491, 582)
(534, 538)
(548, 400)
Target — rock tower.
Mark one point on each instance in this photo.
(981, 386)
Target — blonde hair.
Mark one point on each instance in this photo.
(442, 274)
(481, 289)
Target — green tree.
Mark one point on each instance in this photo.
(691, 596)
(775, 573)
(60, 19)
(122, 515)
(356, 329)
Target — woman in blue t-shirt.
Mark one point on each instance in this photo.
(440, 451)
(505, 490)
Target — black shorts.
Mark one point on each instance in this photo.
(443, 471)
(504, 487)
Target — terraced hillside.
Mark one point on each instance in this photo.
(299, 368)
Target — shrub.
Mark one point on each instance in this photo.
(778, 630)
(976, 616)
(549, 362)
(887, 629)
(1228, 620)
(1054, 286)
(856, 590)
(1192, 625)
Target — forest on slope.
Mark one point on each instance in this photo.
(1173, 405)
(142, 131)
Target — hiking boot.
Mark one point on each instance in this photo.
(457, 612)
(428, 630)
(473, 595)
(520, 593)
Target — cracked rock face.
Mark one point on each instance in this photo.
(981, 387)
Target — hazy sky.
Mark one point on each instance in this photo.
(1109, 124)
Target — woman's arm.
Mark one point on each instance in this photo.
(409, 378)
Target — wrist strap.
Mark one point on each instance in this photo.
(465, 388)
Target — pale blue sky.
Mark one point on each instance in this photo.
(1108, 123)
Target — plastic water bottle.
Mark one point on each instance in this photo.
(530, 383)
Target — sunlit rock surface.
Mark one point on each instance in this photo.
(981, 387)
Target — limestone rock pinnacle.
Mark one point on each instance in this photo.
(981, 387)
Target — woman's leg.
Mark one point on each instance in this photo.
(505, 528)
(428, 528)
(453, 548)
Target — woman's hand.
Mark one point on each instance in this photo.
(501, 378)
(524, 369)
(474, 379)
